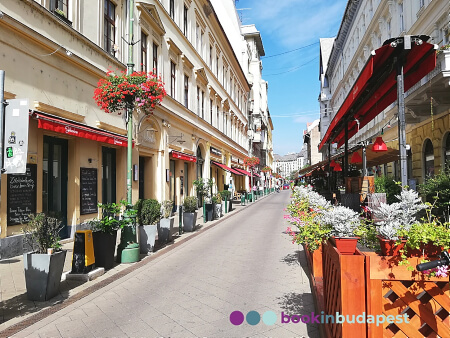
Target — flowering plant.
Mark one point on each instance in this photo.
(441, 271)
(251, 161)
(443, 47)
(118, 92)
(266, 169)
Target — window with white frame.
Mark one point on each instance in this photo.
(60, 7)
(143, 52)
(172, 78)
(109, 27)
(185, 20)
(217, 118)
(198, 100)
(155, 58)
(186, 91)
(172, 9)
(401, 18)
(211, 112)
(203, 104)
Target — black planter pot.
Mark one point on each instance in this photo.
(104, 249)
(209, 212)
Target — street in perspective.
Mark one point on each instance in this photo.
(225, 168)
(246, 264)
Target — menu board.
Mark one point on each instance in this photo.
(21, 192)
(88, 191)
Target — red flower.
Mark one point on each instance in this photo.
(119, 92)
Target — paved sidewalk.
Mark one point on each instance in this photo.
(17, 310)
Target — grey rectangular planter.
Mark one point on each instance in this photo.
(165, 229)
(189, 221)
(43, 274)
(147, 236)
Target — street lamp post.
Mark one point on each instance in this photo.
(128, 249)
(129, 111)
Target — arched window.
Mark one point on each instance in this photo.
(428, 158)
(447, 151)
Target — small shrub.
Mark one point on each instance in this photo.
(389, 186)
(190, 204)
(166, 208)
(110, 220)
(42, 233)
(148, 211)
(225, 194)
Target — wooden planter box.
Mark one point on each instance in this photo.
(343, 291)
(394, 290)
(315, 261)
(378, 286)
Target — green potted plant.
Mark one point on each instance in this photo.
(305, 214)
(436, 190)
(166, 222)
(189, 213)
(344, 223)
(226, 196)
(396, 221)
(148, 216)
(45, 262)
(217, 201)
(104, 233)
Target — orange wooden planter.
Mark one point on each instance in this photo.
(377, 286)
(344, 291)
(393, 289)
(315, 261)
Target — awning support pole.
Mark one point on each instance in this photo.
(345, 155)
(364, 160)
(329, 167)
(401, 124)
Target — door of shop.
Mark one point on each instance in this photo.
(141, 177)
(54, 187)
(109, 175)
(172, 191)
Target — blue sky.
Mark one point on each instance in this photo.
(293, 77)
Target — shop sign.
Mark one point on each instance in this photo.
(215, 151)
(183, 156)
(16, 136)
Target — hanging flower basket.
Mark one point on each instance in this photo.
(251, 161)
(139, 89)
(266, 169)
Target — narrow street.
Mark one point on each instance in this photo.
(245, 263)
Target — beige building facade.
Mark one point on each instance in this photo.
(54, 53)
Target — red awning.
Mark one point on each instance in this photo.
(63, 126)
(376, 87)
(224, 167)
(245, 172)
(183, 156)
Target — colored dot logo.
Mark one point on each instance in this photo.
(253, 318)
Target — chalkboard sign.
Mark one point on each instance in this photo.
(88, 191)
(21, 192)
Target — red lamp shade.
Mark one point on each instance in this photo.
(379, 145)
(356, 158)
(337, 167)
(332, 163)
